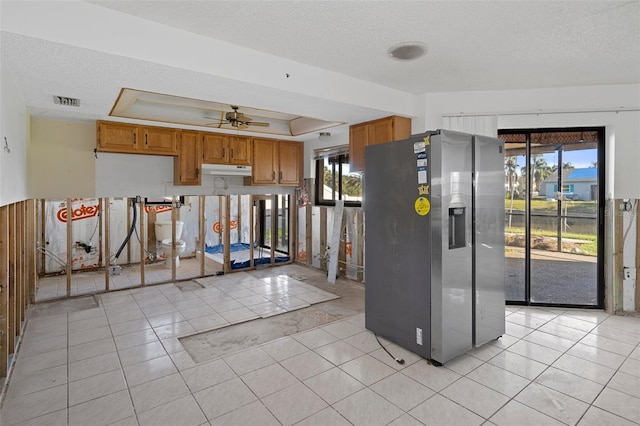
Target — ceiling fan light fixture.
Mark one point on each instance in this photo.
(407, 51)
(324, 136)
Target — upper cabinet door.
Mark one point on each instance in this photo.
(159, 140)
(189, 160)
(117, 137)
(358, 137)
(290, 157)
(265, 167)
(381, 131)
(215, 148)
(240, 150)
(388, 129)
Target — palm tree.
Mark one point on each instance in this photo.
(511, 169)
(539, 171)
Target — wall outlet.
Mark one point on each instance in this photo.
(629, 273)
(115, 270)
(419, 336)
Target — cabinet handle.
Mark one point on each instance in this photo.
(273, 175)
(223, 152)
(232, 153)
(146, 139)
(134, 139)
(280, 175)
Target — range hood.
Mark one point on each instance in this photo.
(226, 170)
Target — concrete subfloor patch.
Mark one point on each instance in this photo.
(234, 338)
(57, 307)
(224, 341)
(190, 285)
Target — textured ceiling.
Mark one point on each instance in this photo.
(473, 45)
(61, 48)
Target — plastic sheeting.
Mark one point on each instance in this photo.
(85, 223)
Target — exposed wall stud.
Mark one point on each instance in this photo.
(69, 245)
(107, 242)
(142, 240)
(4, 291)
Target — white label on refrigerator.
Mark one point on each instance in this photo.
(422, 162)
(419, 147)
(422, 175)
(419, 336)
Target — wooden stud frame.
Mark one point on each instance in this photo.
(12, 331)
(252, 229)
(618, 257)
(174, 217)
(637, 296)
(43, 237)
(309, 233)
(69, 245)
(4, 291)
(226, 234)
(201, 231)
(323, 238)
(107, 244)
(18, 270)
(142, 242)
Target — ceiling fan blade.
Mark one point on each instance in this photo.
(258, 124)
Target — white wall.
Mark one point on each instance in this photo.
(129, 175)
(14, 125)
(615, 107)
(61, 159)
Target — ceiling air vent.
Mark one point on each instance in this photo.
(63, 100)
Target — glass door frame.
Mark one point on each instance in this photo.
(600, 220)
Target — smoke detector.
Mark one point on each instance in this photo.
(407, 51)
(64, 100)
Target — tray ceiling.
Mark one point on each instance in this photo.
(142, 105)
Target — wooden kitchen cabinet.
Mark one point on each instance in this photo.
(158, 140)
(134, 139)
(215, 148)
(117, 137)
(290, 163)
(187, 165)
(224, 149)
(239, 150)
(388, 129)
(276, 163)
(358, 138)
(265, 162)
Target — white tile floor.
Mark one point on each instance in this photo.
(121, 363)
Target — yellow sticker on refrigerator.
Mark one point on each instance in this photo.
(422, 206)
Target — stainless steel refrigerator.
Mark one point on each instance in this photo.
(434, 245)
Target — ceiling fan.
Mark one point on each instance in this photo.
(241, 121)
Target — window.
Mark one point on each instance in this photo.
(335, 182)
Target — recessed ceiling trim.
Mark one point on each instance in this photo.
(152, 106)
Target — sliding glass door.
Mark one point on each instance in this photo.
(553, 204)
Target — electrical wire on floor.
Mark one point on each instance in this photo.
(398, 360)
